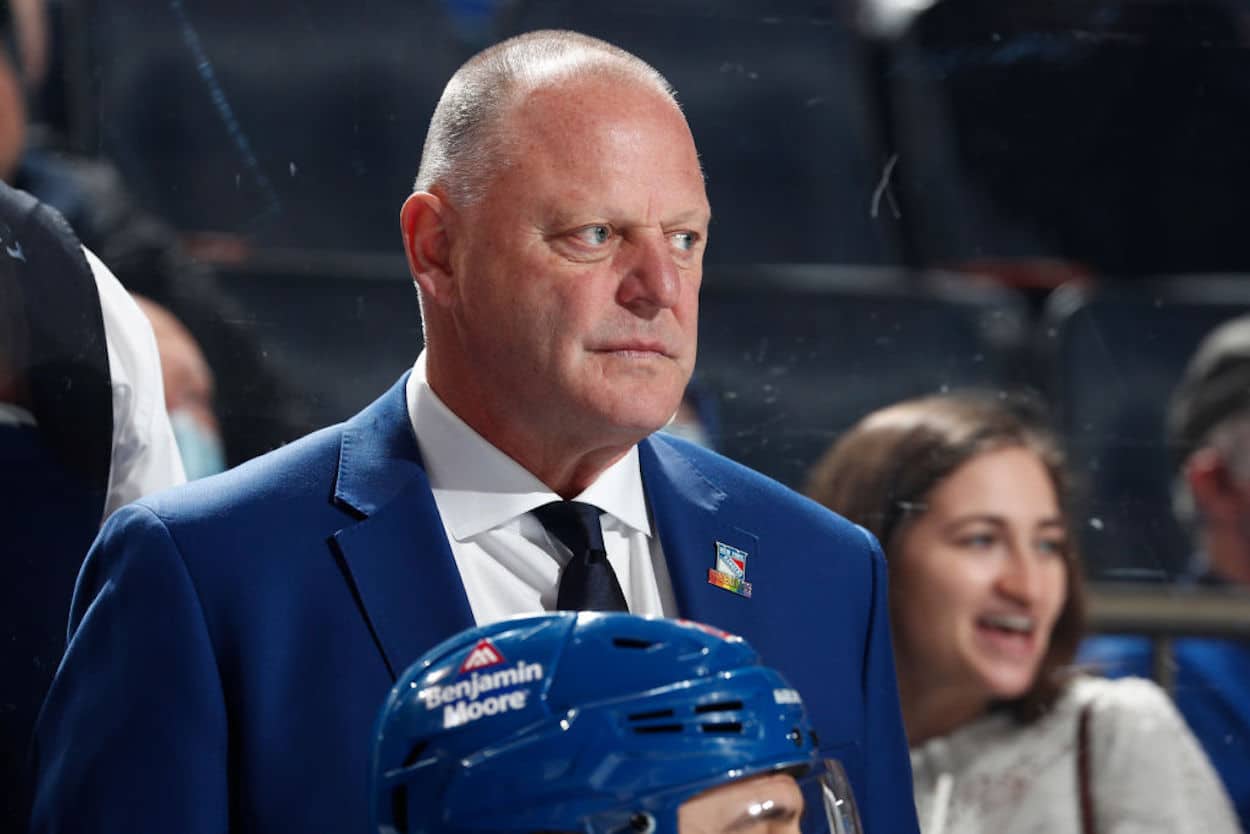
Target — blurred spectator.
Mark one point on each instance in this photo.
(31, 34)
(12, 103)
(1209, 434)
(189, 392)
(82, 431)
(51, 347)
(697, 418)
(967, 497)
(259, 408)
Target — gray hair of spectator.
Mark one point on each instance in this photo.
(465, 145)
(881, 473)
(1230, 439)
(1210, 409)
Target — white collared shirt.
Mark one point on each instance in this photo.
(508, 562)
(144, 457)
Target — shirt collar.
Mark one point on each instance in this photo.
(477, 487)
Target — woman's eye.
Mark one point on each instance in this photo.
(978, 541)
(684, 241)
(1053, 547)
(596, 235)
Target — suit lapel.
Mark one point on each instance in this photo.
(691, 516)
(404, 576)
(397, 557)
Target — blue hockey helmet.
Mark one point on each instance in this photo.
(595, 723)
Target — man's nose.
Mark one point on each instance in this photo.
(651, 280)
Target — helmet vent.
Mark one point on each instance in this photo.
(632, 643)
(718, 706)
(654, 715)
(651, 729)
(723, 727)
(647, 716)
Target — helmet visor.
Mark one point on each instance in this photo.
(838, 810)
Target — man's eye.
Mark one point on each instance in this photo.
(684, 241)
(596, 235)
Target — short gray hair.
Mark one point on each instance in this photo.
(1230, 439)
(462, 144)
(1210, 409)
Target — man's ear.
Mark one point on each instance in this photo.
(423, 221)
(1216, 494)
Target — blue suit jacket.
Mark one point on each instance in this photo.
(232, 640)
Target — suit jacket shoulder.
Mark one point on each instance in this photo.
(232, 639)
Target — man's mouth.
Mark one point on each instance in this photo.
(635, 348)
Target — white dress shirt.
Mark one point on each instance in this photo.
(508, 562)
(145, 457)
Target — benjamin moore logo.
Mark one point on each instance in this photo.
(484, 654)
(477, 696)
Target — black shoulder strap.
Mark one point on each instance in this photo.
(66, 367)
(1083, 772)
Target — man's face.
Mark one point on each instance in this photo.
(577, 274)
(771, 804)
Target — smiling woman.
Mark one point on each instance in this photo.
(970, 501)
(981, 581)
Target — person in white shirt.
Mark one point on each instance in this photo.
(83, 430)
(969, 498)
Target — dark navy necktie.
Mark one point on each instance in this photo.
(588, 582)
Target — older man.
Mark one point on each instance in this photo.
(1209, 435)
(231, 640)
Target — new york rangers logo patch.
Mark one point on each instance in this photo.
(731, 561)
(730, 572)
(484, 654)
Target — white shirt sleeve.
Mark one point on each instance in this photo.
(145, 457)
(1149, 773)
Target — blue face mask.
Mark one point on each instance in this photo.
(200, 448)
